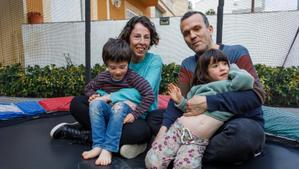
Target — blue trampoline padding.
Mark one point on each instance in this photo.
(30, 107)
(9, 110)
(281, 123)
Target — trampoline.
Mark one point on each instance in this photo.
(26, 144)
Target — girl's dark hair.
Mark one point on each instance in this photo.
(126, 32)
(211, 56)
(116, 50)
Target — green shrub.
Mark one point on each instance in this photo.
(49, 81)
(280, 84)
(169, 75)
(11, 78)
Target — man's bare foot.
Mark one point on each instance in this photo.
(105, 158)
(91, 153)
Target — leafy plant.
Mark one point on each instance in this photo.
(210, 12)
(280, 84)
(169, 75)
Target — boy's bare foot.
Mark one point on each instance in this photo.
(105, 158)
(91, 153)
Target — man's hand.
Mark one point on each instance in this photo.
(129, 118)
(175, 93)
(196, 106)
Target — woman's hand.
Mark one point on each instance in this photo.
(105, 98)
(196, 106)
(175, 93)
(129, 118)
(92, 97)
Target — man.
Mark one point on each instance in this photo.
(240, 138)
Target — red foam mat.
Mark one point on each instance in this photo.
(56, 104)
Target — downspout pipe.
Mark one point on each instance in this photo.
(87, 41)
(219, 21)
(108, 9)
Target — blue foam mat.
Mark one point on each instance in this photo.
(20, 109)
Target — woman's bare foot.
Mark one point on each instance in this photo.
(91, 153)
(105, 158)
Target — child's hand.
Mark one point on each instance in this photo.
(92, 97)
(129, 118)
(131, 104)
(175, 93)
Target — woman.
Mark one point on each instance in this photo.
(141, 34)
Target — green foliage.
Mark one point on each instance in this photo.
(9, 74)
(280, 84)
(169, 75)
(97, 68)
(211, 12)
(49, 81)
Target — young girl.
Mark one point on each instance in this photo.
(187, 138)
(106, 117)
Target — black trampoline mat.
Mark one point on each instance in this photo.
(28, 145)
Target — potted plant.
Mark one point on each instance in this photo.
(35, 17)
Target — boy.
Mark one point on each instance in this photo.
(107, 118)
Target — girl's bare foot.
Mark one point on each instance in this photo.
(91, 153)
(105, 158)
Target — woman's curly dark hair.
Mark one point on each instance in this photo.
(126, 32)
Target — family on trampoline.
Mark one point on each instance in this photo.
(214, 113)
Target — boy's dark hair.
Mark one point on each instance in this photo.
(190, 13)
(127, 30)
(211, 56)
(116, 50)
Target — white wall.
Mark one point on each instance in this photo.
(279, 5)
(65, 10)
(229, 5)
(267, 36)
(240, 5)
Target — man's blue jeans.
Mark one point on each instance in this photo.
(107, 123)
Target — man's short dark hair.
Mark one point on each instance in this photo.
(116, 50)
(190, 13)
